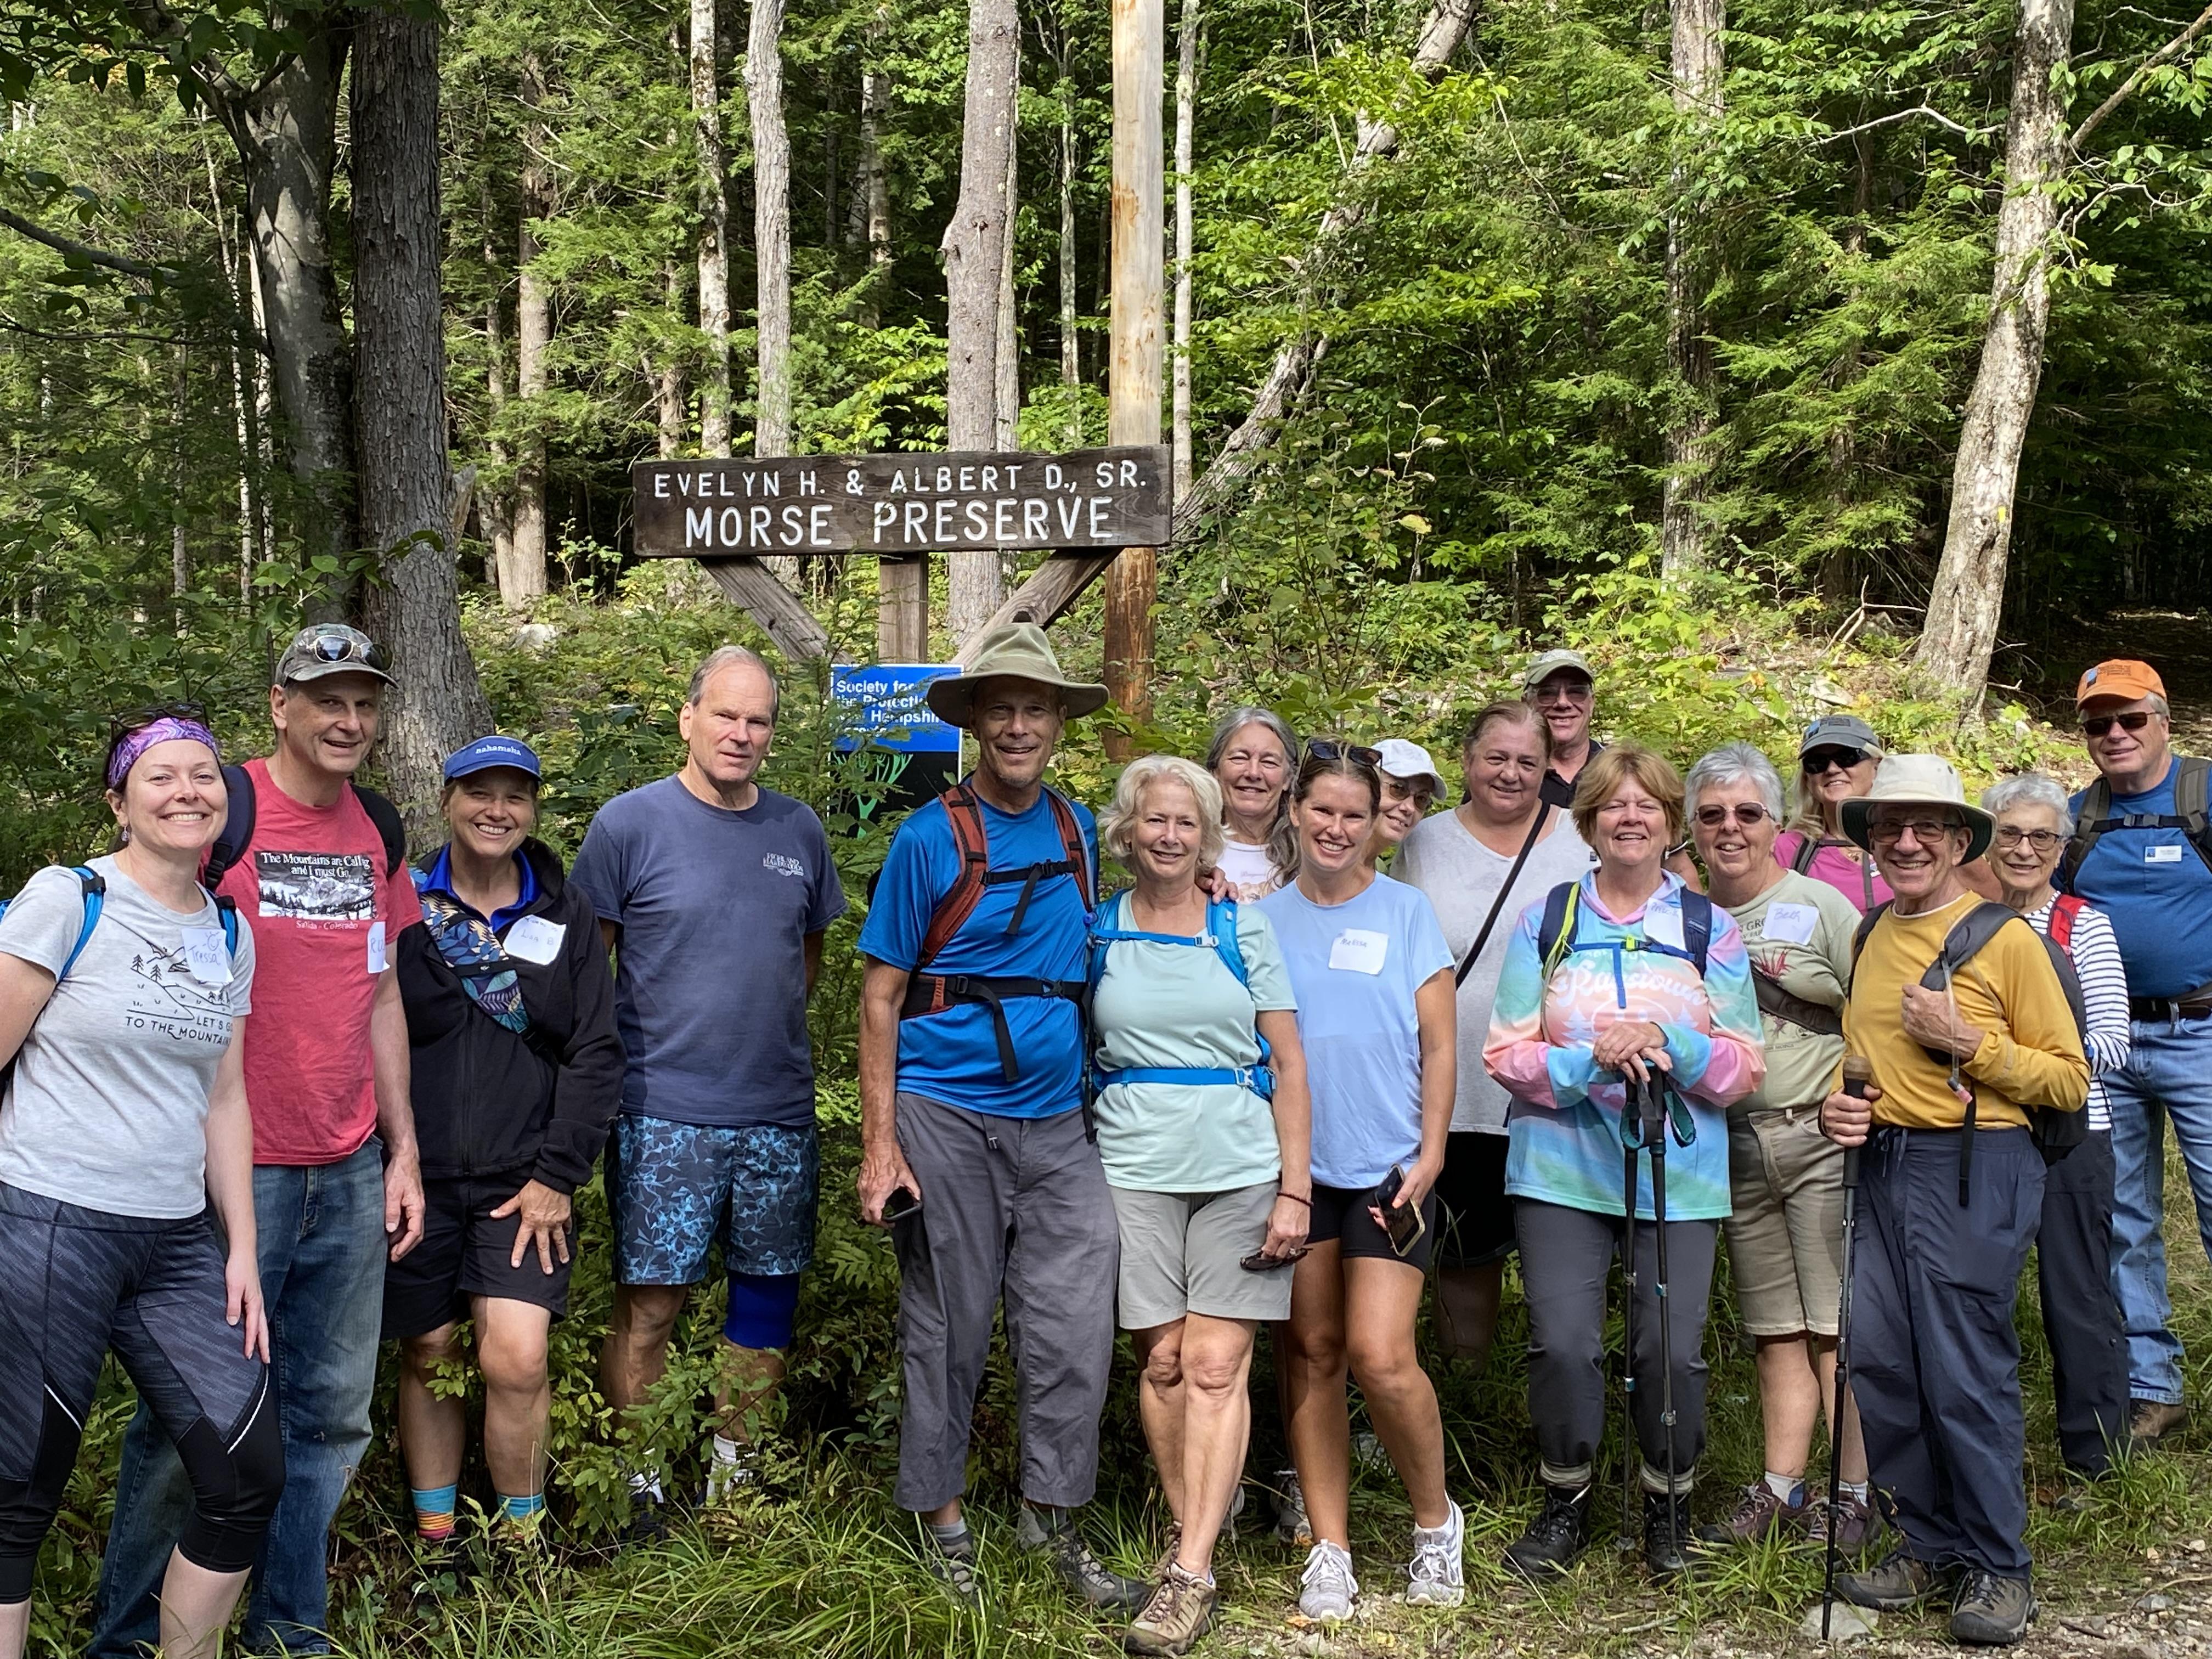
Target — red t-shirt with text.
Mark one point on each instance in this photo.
(326, 920)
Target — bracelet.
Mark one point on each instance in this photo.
(1294, 1199)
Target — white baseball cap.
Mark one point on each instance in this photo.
(1406, 761)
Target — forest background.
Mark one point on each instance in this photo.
(1714, 342)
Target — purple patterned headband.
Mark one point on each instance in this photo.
(164, 730)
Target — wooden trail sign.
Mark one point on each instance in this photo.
(897, 505)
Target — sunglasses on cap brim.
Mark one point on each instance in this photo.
(336, 648)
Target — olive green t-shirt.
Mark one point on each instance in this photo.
(1799, 933)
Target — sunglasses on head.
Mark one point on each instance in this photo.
(338, 647)
(1746, 813)
(1821, 759)
(1328, 750)
(122, 726)
(2098, 726)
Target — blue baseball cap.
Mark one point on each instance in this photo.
(486, 752)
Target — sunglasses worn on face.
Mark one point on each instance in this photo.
(2042, 839)
(1563, 691)
(2099, 725)
(1925, 830)
(1746, 813)
(1820, 760)
(1325, 749)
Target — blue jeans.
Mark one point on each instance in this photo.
(321, 1248)
(2168, 1075)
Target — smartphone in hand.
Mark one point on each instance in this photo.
(1402, 1222)
(903, 1202)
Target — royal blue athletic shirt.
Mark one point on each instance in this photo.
(952, 1057)
(2156, 891)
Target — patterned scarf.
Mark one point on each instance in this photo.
(473, 951)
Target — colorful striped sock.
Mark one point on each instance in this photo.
(433, 1512)
(521, 1508)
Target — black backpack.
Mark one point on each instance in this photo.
(2192, 784)
(238, 829)
(2055, 1133)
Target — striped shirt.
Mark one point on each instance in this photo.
(2095, 950)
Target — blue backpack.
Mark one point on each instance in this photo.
(94, 888)
(1220, 938)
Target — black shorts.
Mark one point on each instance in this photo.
(1477, 1218)
(1341, 1213)
(464, 1253)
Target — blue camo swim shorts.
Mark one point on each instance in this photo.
(674, 1188)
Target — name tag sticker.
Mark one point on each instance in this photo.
(1790, 924)
(207, 957)
(376, 963)
(2165, 854)
(1359, 950)
(1664, 926)
(533, 939)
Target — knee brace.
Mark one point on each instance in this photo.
(27, 1507)
(764, 1309)
(234, 1487)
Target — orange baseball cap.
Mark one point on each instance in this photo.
(2122, 677)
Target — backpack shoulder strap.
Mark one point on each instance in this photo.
(1965, 939)
(95, 888)
(1696, 926)
(1078, 851)
(1221, 922)
(1865, 929)
(389, 825)
(237, 832)
(2063, 909)
(972, 844)
(2089, 825)
(2192, 785)
(1102, 925)
(1808, 848)
(1555, 935)
(225, 910)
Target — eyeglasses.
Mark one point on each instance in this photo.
(1745, 812)
(2098, 726)
(2042, 839)
(342, 648)
(1925, 830)
(1820, 760)
(1327, 749)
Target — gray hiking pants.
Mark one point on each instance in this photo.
(1018, 1210)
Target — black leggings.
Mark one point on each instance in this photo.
(76, 1282)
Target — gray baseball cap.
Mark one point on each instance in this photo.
(331, 649)
(1555, 662)
(1839, 732)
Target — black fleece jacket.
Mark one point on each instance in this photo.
(489, 1101)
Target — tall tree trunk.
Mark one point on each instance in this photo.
(225, 221)
(399, 331)
(1006, 401)
(180, 557)
(714, 231)
(875, 116)
(1963, 607)
(1696, 66)
(670, 401)
(771, 227)
(494, 506)
(522, 572)
(264, 411)
(975, 259)
(1071, 340)
(1185, 128)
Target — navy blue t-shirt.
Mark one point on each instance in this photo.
(714, 908)
(2156, 891)
(952, 1057)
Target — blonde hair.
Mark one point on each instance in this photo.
(1117, 828)
(1625, 763)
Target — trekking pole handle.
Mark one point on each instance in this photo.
(1858, 1073)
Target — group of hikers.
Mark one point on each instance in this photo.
(258, 1120)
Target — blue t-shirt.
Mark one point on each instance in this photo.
(2156, 891)
(1357, 1021)
(715, 907)
(952, 1057)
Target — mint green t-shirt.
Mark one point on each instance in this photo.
(1179, 1005)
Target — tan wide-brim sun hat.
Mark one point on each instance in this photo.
(1918, 780)
(1017, 652)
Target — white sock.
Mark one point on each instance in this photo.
(1789, 1488)
(724, 1450)
(642, 1485)
(1860, 1489)
(1450, 1524)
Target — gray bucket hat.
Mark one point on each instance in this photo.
(1018, 651)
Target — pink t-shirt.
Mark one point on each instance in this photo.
(1856, 878)
(327, 919)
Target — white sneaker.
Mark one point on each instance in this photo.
(1438, 1579)
(1326, 1587)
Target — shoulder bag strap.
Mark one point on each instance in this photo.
(1490, 922)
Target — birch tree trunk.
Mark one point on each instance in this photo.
(1006, 401)
(771, 228)
(522, 572)
(875, 115)
(714, 232)
(975, 259)
(494, 506)
(1071, 338)
(399, 332)
(671, 404)
(1179, 345)
(1696, 69)
(1968, 595)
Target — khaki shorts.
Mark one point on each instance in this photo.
(1785, 1239)
(1180, 1251)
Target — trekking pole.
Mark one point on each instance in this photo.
(1656, 1134)
(1628, 1461)
(1857, 1074)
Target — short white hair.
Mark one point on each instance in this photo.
(730, 656)
(1117, 828)
(2030, 789)
(1734, 762)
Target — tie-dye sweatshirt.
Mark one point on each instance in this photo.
(1565, 1116)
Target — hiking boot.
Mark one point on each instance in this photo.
(955, 1569)
(1667, 1533)
(1438, 1572)
(1180, 1612)
(1559, 1533)
(1990, 1611)
(1078, 1569)
(1291, 1527)
(1856, 1523)
(1327, 1587)
(1759, 1515)
(1892, 1585)
(1166, 1556)
(2152, 1420)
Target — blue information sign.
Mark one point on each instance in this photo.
(888, 710)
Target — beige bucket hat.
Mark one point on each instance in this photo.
(1919, 780)
(1018, 651)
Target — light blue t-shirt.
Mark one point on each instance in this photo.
(1357, 1021)
(1180, 1006)
(2156, 892)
